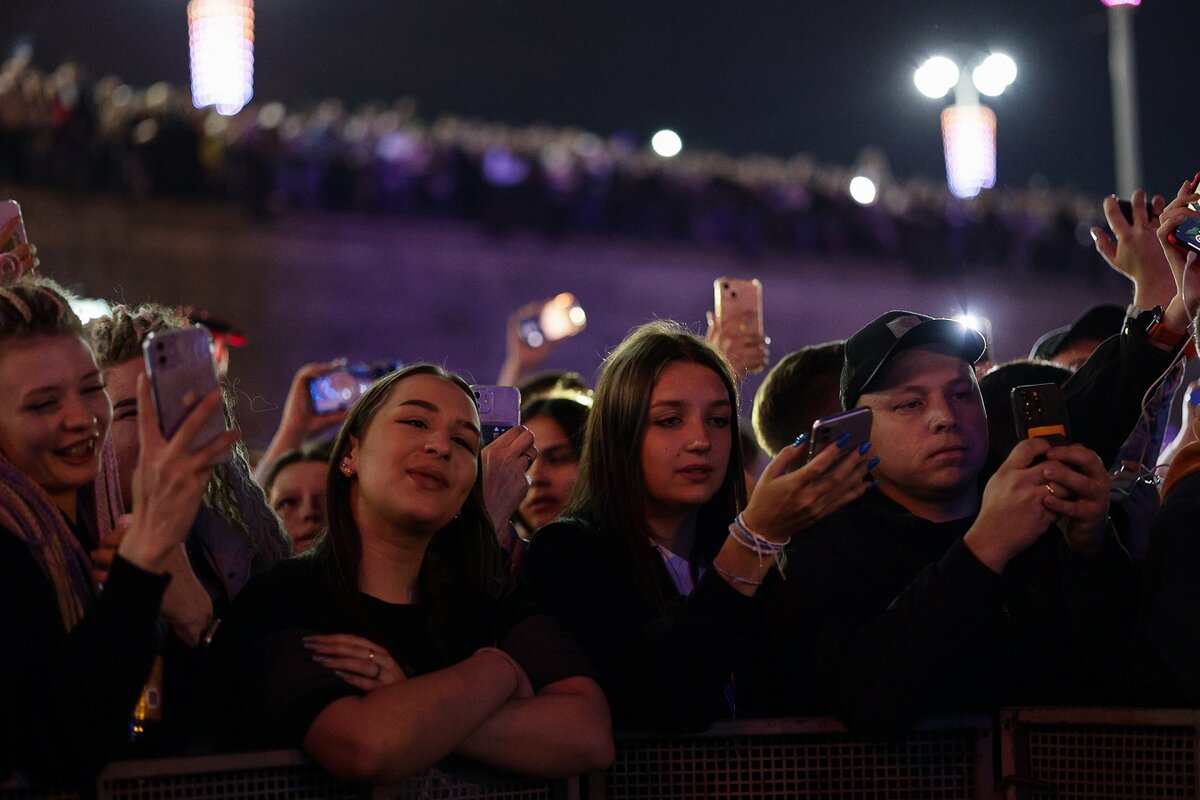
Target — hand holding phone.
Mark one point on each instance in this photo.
(337, 389)
(180, 367)
(17, 255)
(499, 409)
(849, 430)
(735, 325)
(560, 317)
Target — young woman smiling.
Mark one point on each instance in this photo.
(388, 645)
(652, 569)
(79, 656)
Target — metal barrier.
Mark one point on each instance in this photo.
(1099, 753)
(802, 758)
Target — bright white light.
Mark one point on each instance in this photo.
(969, 136)
(87, 308)
(666, 143)
(970, 320)
(221, 40)
(863, 190)
(936, 76)
(994, 75)
(1122, 2)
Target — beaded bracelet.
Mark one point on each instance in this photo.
(757, 544)
(733, 577)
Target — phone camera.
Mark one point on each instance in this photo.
(161, 345)
(162, 360)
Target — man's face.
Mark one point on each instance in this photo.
(929, 431)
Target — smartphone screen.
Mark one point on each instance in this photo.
(338, 389)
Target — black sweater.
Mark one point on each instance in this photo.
(67, 697)
(659, 670)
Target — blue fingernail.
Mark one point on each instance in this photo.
(873, 463)
(872, 485)
(801, 439)
(863, 448)
(843, 440)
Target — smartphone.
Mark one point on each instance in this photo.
(338, 389)
(181, 370)
(738, 301)
(560, 318)
(1127, 210)
(1186, 235)
(1040, 410)
(826, 431)
(10, 210)
(499, 409)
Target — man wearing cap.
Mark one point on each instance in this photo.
(929, 595)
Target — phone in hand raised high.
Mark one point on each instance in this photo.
(856, 423)
(560, 317)
(338, 389)
(10, 210)
(499, 409)
(737, 305)
(182, 372)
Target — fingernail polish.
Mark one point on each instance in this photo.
(320, 659)
(801, 439)
(843, 440)
(872, 485)
(873, 463)
(863, 448)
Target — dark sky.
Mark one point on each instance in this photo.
(776, 76)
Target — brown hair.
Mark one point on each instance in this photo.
(610, 491)
(462, 569)
(36, 306)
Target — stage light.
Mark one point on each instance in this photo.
(666, 143)
(969, 136)
(863, 190)
(221, 41)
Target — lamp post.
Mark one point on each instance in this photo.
(1122, 73)
(968, 126)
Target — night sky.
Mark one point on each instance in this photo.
(741, 76)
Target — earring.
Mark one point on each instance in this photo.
(345, 468)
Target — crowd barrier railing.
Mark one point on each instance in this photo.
(1064, 753)
(1099, 753)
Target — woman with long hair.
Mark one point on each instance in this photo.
(388, 646)
(78, 653)
(654, 567)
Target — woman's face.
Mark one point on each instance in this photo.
(416, 462)
(552, 474)
(298, 497)
(54, 414)
(687, 439)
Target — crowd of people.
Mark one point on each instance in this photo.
(384, 588)
(66, 128)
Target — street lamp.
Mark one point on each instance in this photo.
(968, 126)
(1122, 72)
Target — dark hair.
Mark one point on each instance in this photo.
(569, 410)
(610, 491)
(800, 389)
(319, 454)
(462, 571)
(551, 381)
(995, 388)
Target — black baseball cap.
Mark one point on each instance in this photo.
(888, 334)
(1098, 323)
